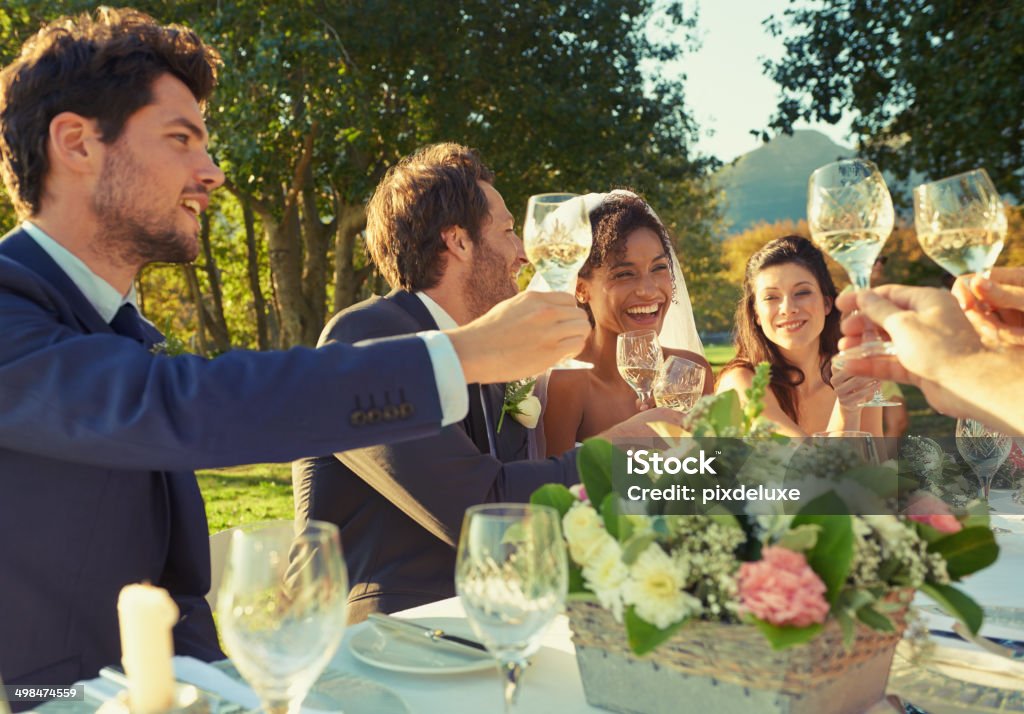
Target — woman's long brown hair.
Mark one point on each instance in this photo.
(753, 347)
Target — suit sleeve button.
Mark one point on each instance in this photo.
(357, 418)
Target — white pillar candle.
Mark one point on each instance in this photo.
(146, 615)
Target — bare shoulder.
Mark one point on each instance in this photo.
(740, 378)
(567, 385)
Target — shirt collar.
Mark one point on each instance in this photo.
(103, 296)
(443, 319)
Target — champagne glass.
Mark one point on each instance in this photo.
(961, 222)
(281, 607)
(983, 448)
(638, 357)
(557, 240)
(512, 575)
(850, 215)
(679, 385)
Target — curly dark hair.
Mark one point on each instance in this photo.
(99, 66)
(753, 347)
(425, 193)
(612, 222)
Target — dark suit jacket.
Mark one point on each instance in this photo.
(98, 438)
(400, 507)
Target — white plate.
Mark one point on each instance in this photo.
(405, 653)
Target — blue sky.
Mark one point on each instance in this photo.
(725, 88)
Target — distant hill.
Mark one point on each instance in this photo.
(770, 182)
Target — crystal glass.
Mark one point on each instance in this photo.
(680, 383)
(983, 448)
(850, 215)
(961, 222)
(638, 357)
(557, 240)
(511, 573)
(281, 607)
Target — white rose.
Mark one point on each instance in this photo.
(529, 412)
(584, 530)
(655, 588)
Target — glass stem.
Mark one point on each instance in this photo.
(647, 398)
(511, 672)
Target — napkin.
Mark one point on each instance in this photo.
(209, 678)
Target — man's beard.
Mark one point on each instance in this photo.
(489, 281)
(125, 230)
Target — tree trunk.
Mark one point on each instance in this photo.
(259, 303)
(201, 317)
(316, 236)
(347, 280)
(217, 323)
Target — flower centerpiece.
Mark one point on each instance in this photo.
(766, 610)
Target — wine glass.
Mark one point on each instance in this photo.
(281, 607)
(512, 575)
(638, 357)
(557, 240)
(983, 448)
(680, 383)
(961, 222)
(850, 215)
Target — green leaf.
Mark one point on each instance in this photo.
(832, 555)
(643, 636)
(594, 463)
(801, 538)
(967, 551)
(781, 637)
(555, 495)
(636, 545)
(725, 411)
(610, 514)
(875, 620)
(956, 603)
(848, 626)
(576, 584)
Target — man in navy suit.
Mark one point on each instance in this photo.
(103, 151)
(440, 233)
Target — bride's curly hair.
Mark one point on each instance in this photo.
(612, 222)
(753, 347)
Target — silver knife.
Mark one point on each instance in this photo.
(431, 635)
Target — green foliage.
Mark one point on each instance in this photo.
(832, 554)
(781, 637)
(594, 464)
(956, 603)
(966, 551)
(934, 85)
(645, 637)
(555, 495)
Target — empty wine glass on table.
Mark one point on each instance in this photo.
(638, 357)
(511, 574)
(850, 216)
(281, 607)
(557, 240)
(984, 449)
(961, 222)
(680, 383)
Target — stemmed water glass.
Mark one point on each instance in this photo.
(557, 240)
(512, 575)
(850, 215)
(680, 383)
(638, 357)
(983, 448)
(961, 222)
(281, 607)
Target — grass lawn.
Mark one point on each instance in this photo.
(245, 494)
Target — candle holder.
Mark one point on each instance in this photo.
(187, 700)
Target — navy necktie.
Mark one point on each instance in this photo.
(129, 323)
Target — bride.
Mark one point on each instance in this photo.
(631, 281)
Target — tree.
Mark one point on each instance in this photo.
(934, 86)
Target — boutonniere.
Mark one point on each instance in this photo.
(158, 348)
(521, 403)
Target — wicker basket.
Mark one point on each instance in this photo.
(728, 669)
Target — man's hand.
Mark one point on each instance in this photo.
(994, 305)
(520, 337)
(932, 337)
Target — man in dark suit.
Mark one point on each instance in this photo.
(103, 149)
(441, 234)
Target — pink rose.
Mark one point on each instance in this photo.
(782, 589)
(932, 511)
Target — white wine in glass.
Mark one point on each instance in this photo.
(679, 385)
(961, 222)
(511, 573)
(638, 357)
(281, 607)
(850, 216)
(557, 240)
